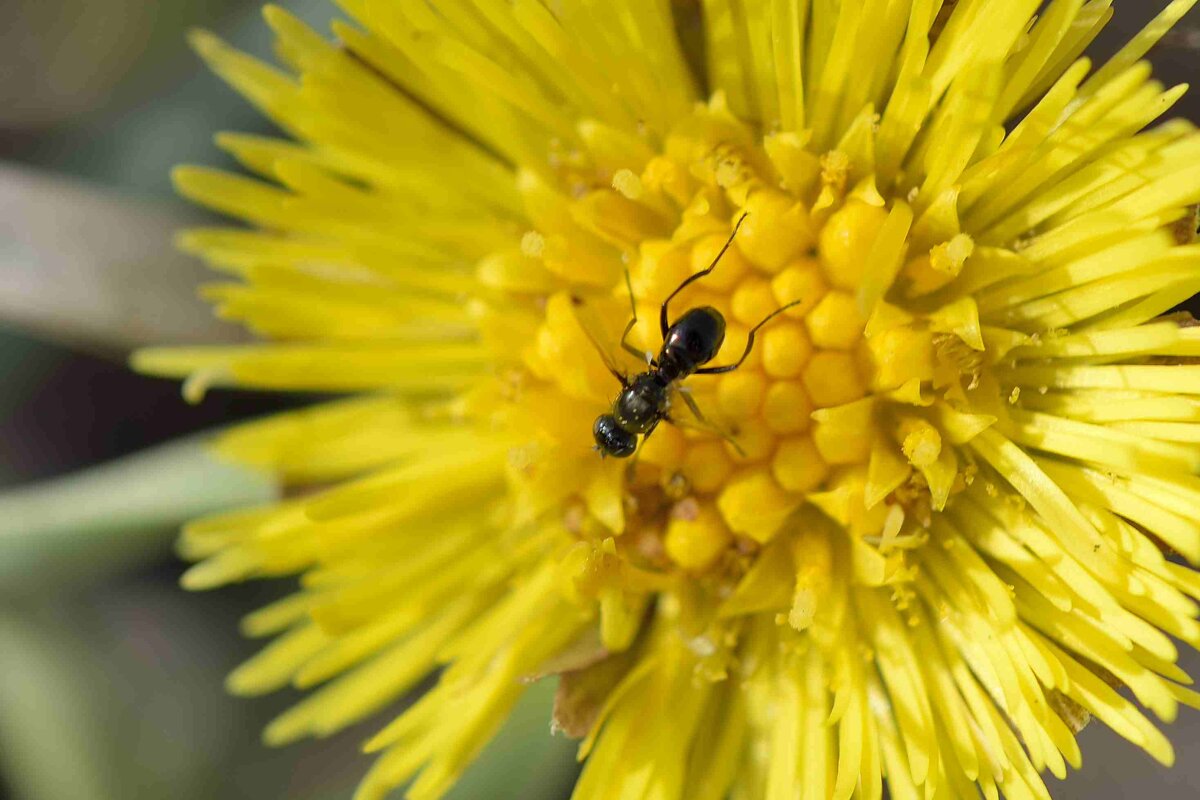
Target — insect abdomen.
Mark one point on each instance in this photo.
(695, 338)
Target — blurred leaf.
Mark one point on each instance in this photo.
(161, 655)
(107, 517)
(52, 741)
(78, 64)
(88, 267)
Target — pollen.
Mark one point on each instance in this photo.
(920, 441)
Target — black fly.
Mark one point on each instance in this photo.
(688, 344)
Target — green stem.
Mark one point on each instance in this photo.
(115, 515)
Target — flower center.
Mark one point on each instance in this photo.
(833, 404)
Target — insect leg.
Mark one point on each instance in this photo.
(704, 425)
(631, 470)
(691, 404)
(625, 345)
(663, 312)
(707, 427)
(749, 343)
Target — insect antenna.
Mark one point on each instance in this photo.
(664, 313)
(749, 342)
(633, 320)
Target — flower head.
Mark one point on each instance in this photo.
(932, 522)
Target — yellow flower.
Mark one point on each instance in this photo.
(962, 469)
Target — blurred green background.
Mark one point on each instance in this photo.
(111, 676)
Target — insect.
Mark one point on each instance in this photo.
(688, 344)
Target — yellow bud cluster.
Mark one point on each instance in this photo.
(798, 407)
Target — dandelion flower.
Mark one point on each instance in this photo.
(954, 522)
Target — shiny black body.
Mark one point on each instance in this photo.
(691, 342)
(644, 401)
